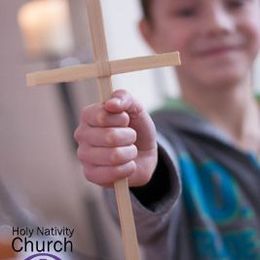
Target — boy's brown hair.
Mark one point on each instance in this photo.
(146, 8)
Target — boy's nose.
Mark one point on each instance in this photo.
(218, 21)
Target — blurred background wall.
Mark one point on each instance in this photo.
(37, 155)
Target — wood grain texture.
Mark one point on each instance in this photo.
(82, 72)
(55, 76)
(144, 63)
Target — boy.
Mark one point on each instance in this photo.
(208, 146)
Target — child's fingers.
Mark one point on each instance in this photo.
(140, 121)
(107, 137)
(96, 116)
(117, 139)
(100, 156)
(107, 175)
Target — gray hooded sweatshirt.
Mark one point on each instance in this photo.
(203, 201)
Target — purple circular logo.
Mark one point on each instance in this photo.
(43, 256)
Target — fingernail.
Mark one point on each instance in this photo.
(117, 101)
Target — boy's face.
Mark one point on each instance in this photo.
(218, 39)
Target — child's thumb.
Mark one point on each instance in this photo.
(140, 120)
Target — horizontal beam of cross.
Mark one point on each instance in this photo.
(82, 72)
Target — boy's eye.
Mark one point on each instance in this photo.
(186, 12)
(235, 3)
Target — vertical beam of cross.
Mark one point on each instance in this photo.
(105, 87)
(103, 69)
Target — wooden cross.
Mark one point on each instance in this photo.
(102, 69)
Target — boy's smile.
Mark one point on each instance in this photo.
(221, 46)
(218, 39)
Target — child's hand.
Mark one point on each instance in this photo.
(117, 139)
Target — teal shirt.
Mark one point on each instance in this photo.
(228, 222)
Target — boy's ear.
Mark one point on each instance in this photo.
(147, 31)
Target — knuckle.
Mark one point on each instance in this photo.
(111, 137)
(125, 170)
(101, 118)
(82, 135)
(133, 135)
(84, 114)
(82, 155)
(116, 156)
(88, 174)
(91, 174)
(77, 134)
(134, 150)
(119, 92)
(125, 119)
(123, 154)
(131, 167)
(79, 154)
(118, 171)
